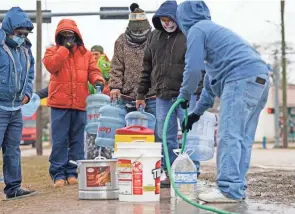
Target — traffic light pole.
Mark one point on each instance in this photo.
(276, 79)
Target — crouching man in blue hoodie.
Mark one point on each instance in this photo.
(16, 88)
(237, 75)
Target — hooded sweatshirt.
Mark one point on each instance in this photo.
(70, 71)
(228, 57)
(16, 63)
(163, 57)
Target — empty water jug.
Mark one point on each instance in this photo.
(29, 109)
(112, 117)
(94, 103)
(141, 118)
(201, 138)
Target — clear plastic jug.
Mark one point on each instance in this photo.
(112, 117)
(184, 173)
(94, 103)
(201, 138)
(141, 118)
(29, 109)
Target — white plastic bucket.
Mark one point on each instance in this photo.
(139, 171)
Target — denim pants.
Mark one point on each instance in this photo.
(67, 127)
(240, 105)
(150, 108)
(163, 107)
(11, 125)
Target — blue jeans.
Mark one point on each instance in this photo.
(163, 107)
(11, 125)
(240, 105)
(150, 108)
(67, 127)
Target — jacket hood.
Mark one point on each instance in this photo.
(68, 24)
(167, 9)
(16, 18)
(190, 12)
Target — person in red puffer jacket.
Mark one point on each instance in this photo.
(71, 66)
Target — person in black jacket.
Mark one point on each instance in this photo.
(163, 63)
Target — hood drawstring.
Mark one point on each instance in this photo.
(174, 42)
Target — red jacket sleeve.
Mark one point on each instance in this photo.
(94, 74)
(54, 58)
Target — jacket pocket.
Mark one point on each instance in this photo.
(174, 76)
(59, 94)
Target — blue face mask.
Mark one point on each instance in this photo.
(19, 40)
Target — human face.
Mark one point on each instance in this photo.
(67, 34)
(96, 55)
(168, 24)
(166, 20)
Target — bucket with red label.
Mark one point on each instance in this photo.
(139, 171)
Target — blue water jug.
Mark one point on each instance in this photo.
(112, 117)
(141, 118)
(94, 103)
(29, 109)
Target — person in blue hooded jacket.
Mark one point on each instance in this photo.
(16, 88)
(240, 78)
(163, 64)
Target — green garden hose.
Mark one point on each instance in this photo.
(172, 109)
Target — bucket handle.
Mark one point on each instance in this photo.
(100, 158)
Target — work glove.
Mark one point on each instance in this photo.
(69, 43)
(192, 118)
(185, 104)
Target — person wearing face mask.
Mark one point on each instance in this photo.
(71, 66)
(163, 69)
(127, 63)
(16, 88)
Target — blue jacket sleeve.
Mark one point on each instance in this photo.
(31, 75)
(194, 63)
(207, 98)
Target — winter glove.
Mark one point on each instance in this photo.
(192, 118)
(69, 43)
(185, 104)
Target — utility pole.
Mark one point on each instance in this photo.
(39, 125)
(284, 73)
(276, 79)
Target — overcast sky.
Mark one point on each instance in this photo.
(246, 17)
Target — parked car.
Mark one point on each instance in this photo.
(29, 134)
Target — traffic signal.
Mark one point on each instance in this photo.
(270, 110)
(106, 9)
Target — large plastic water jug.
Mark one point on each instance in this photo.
(141, 118)
(112, 117)
(94, 103)
(201, 138)
(29, 109)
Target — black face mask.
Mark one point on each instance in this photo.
(69, 39)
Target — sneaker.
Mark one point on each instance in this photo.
(59, 183)
(21, 193)
(72, 181)
(216, 196)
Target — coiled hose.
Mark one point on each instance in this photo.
(172, 109)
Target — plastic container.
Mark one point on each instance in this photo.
(141, 118)
(94, 103)
(201, 138)
(112, 117)
(184, 173)
(130, 134)
(29, 109)
(139, 171)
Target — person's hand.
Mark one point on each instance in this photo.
(192, 118)
(140, 103)
(25, 100)
(69, 43)
(115, 93)
(100, 84)
(185, 104)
